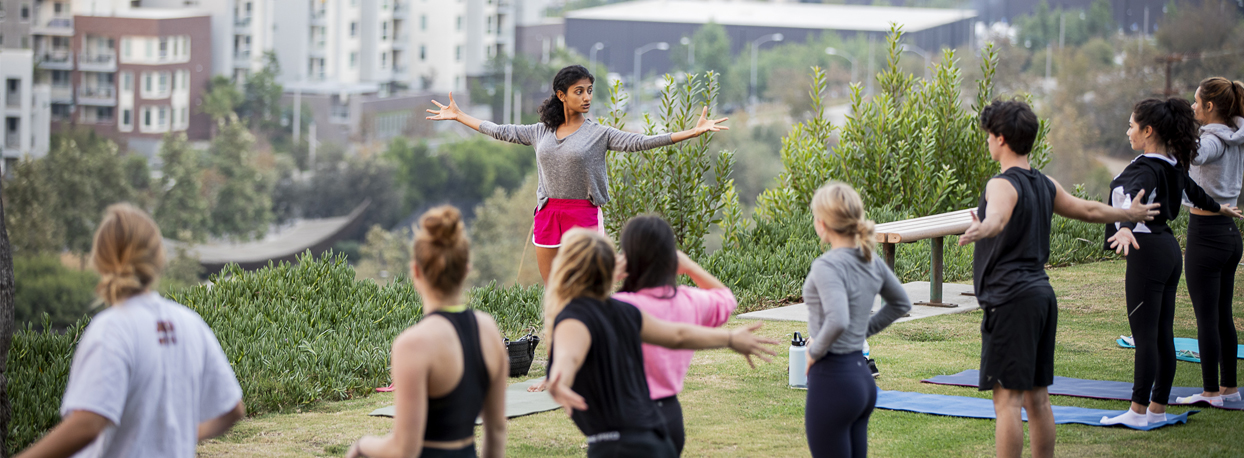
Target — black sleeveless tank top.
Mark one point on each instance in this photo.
(452, 417)
(1006, 265)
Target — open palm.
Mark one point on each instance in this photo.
(445, 112)
(709, 125)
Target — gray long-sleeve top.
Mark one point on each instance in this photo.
(574, 167)
(1219, 162)
(840, 291)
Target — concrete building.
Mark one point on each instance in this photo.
(26, 109)
(624, 27)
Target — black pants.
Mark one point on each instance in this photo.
(464, 452)
(638, 444)
(671, 409)
(1214, 249)
(841, 397)
(1152, 278)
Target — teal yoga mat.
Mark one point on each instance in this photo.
(1185, 349)
(961, 406)
(518, 402)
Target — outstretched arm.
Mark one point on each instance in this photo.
(701, 126)
(573, 340)
(670, 334)
(631, 142)
(1074, 207)
(1001, 196)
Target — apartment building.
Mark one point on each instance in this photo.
(24, 105)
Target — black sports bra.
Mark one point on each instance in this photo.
(452, 417)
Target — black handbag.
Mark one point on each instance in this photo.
(522, 352)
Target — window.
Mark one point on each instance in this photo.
(147, 117)
(163, 118)
(125, 48)
(458, 53)
(459, 23)
(384, 30)
(103, 114)
(58, 8)
(148, 83)
(185, 116)
(423, 53)
(25, 15)
(423, 22)
(127, 81)
(489, 29)
(354, 29)
(1, 36)
(163, 48)
(150, 49)
(354, 59)
(25, 42)
(126, 117)
(384, 60)
(163, 86)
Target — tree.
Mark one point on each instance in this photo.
(6, 326)
(86, 172)
(29, 218)
(182, 209)
(500, 235)
(221, 99)
(417, 171)
(243, 205)
(261, 101)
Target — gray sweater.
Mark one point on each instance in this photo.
(574, 167)
(840, 291)
(1219, 163)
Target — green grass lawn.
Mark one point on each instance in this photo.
(732, 410)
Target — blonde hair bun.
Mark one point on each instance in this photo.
(443, 224)
(128, 253)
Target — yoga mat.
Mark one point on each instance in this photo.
(960, 406)
(1081, 388)
(1185, 349)
(518, 402)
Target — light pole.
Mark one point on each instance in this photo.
(919, 52)
(834, 52)
(592, 55)
(755, 50)
(639, 53)
(690, 44)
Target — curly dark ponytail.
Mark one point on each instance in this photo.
(552, 112)
(1174, 123)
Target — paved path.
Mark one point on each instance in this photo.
(918, 291)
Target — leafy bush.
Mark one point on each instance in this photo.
(44, 285)
(682, 182)
(295, 334)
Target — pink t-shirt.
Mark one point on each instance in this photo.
(664, 367)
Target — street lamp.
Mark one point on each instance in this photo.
(756, 49)
(919, 52)
(639, 53)
(834, 52)
(686, 41)
(592, 55)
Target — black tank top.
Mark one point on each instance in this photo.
(452, 417)
(1006, 265)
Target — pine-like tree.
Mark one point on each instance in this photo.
(243, 205)
(182, 209)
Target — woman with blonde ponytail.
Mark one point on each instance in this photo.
(839, 292)
(1214, 246)
(596, 370)
(148, 377)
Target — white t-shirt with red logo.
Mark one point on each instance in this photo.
(154, 369)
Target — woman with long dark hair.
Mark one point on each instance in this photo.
(651, 262)
(596, 369)
(1214, 244)
(1165, 131)
(570, 156)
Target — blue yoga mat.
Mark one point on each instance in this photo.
(1081, 388)
(960, 406)
(1185, 349)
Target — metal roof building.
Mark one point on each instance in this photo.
(624, 27)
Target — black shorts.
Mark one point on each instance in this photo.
(1017, 341)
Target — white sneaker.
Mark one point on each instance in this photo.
(1215, 401)
(1231, 397)
(1128, 340)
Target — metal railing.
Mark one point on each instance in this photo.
(12, 140)
(12, 99)
(56, 56)
(242, 21)
(97, 92)
(106, 59)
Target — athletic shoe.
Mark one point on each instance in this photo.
(1233, 397)
(1128, 340)
(872, 367)
(1215, 401)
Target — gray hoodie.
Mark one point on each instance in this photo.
(1219, 163)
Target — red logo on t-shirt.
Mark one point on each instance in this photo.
(165, 330)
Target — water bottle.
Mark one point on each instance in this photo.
(798, 362)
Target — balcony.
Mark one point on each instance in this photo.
(61, 94)
(401, 41)
(61, 26)
(318, 49)
(98, 62)
(242, 59)
(12, 140)
(400, 10)
(401, 73)
(242, 24)
(57, 59)
(12, 99)
(319, 17)
(102, 96)
(339, 114)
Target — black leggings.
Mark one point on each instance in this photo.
(631, 444)
(671, 409)
(1152, 278)
(1214, 249)
(841, 397)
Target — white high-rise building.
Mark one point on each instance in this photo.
(25, 106)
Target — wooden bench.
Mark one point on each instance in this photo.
(933, 228)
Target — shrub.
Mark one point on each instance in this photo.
(295, 334)
(44, 285)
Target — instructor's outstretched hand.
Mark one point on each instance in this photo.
(445, 112)
(747, 344)
(709, 125)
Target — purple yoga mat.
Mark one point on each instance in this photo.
(1081, 388)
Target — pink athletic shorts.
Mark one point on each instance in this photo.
(561, 215)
